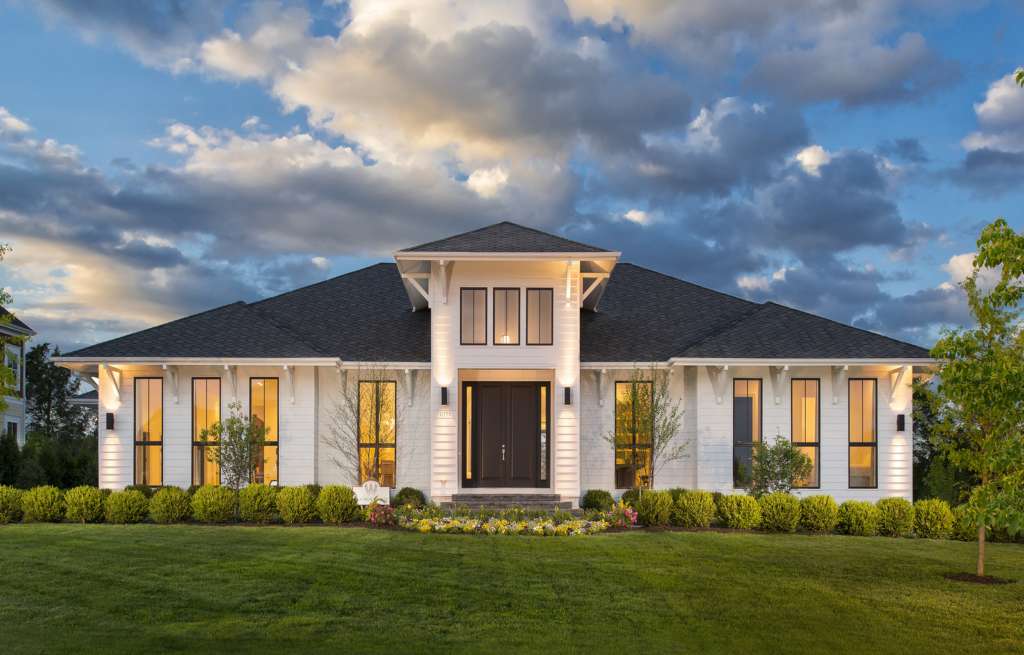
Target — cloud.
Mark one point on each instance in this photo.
(812, 158)
(994, 162)
(906, 149)
(487, 182)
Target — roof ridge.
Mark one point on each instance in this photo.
(692, 284)
(321, 282)
(845, 325)
(728, 327)
(267, 316)
(550, 234)
(529, 228)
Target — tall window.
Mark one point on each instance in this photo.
(806, 421)
(205, 412)
(149, 431)
(746, 428)
(263, 406)
(474, 317)
(377, 432)
(633, 427)
(539, 309)
(506, 317)
(863, 433)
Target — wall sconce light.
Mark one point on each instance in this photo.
(901, 422)
(568, 395)
(444, 396)
(110, 420)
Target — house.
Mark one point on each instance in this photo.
(14, 334)
(499, 362)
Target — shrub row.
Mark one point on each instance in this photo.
(255, 503)
(783, 512)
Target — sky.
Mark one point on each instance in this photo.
(840, 156)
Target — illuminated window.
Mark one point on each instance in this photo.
(633, 427)
(474, 317)
(264, 409)
(863, 433)
(805, 418)
(539, 309)
(468, 435)
(205, 412)
(149, 431)
(506, 317)
(377, 432)
(746, 428)
(544, 432)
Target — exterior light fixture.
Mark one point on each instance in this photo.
(568, 395)
(444, 396)
(901, 422)
(110, 420)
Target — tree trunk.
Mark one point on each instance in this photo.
(981, 550)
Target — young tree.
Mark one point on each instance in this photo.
(1020, 76)
(363, 401)
(7, 381)
(50, 390)
(778, 466)
(239, 440)
(981, 387)
(658, 418)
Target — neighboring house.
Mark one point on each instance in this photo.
(13, 335)
(505, 351)
(89, 399)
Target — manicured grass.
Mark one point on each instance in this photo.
(147, 588)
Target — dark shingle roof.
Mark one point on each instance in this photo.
(14, 320)
(504, 237)
(647, 316)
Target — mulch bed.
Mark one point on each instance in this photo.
(977, 579)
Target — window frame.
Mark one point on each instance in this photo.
(376, 445)
(551, 304)
(633, 445)
(760, 430)
(462, 301)
(277, 442)
(494, 315)
(850, 444)
(817, 430)
(196, 443)
(135, 431)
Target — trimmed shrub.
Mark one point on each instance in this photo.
(933, 519)
(257, 503)
(858, 518)
(42, 504)
(214, 504)
(83, 505)
(631, 497)
(143, 489)
(295, 505)
(408, 496)
(598, 499)
(170, 505)
(895, 517)
(694, 509)
(676, 493)
(654, 508)
(128, 506)
(819, 514)
(739, 511)
(10, 504)
(964, 526)
(780, 512)
(337, 504)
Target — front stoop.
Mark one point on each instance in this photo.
(548, 502)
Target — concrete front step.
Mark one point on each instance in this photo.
(502, 501)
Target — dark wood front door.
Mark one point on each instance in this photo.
(505, 434)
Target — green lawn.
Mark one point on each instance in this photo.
(148, 588)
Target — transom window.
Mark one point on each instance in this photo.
(377, 427)
(473, 306)
(149, 431)
(805, 409)
(633, 429)
(506, 317)
(265, 410)
(205, 412)
(539, 311)
(746, 428)
(863, 433)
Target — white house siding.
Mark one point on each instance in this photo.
(412, 443)
(450, 357)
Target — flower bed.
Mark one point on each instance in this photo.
(539, 527)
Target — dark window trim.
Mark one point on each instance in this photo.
(807, 444)
(135, 425)
(195, 437)
(462, 336)
(552, 305)
(494, 315)
(376, 445)
(276, 442)
(633, 443)
(861, 444)
(760, 415)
